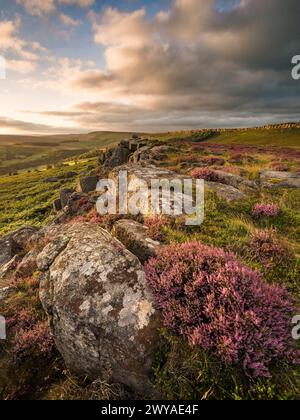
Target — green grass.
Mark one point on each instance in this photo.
(273, 137)
(289, 137)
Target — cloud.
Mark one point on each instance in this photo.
(25, 53)
(68, 20)
(38, 7)
(29, 127)
(45, 7)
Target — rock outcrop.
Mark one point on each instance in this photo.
(102, 313)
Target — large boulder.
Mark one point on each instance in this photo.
(136, 238)
(102, 313)
(146, 174)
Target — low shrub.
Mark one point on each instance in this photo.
(266, 248)
(207, 296)
(33, 342)
(206, 174)
(155, 226)
(265, 210)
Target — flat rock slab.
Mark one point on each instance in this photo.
(226, 192)
(145, 173)
(267, 175)
(135, 237)
(277, 179)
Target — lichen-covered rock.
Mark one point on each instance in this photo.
(102, 313)
(236, 181)
(28, 265)
(278, 179)
(7, 270)
(15, 242)
(280, 175)
(226, 192)
(135, 237)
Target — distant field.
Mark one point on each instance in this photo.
(25, 199)
(26, 152)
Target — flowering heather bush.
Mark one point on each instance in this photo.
(210, 298)
(34, 342)
(206, 174)
(84, 204)
(266, 210)
(155, 225)
(266, 248)
(24, 319)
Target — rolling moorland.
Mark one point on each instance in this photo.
(261, 229)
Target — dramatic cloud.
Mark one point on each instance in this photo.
(200, 59)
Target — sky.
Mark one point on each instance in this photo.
(76, 66)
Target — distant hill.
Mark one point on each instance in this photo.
(26, 152)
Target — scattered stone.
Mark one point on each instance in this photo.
(15, 243)
(65, 196)
(51, 180)
(7, 270)
(57, 206)
(87, 184)
(136, 239)
(71, 174)
(102, 313)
